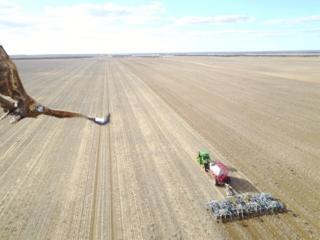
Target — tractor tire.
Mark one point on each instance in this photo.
(216, 182)
(228, 180)
(206, 167)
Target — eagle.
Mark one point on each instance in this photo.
(15, 101)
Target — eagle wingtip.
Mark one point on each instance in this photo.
(102, 121)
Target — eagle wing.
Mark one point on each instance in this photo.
(10, 83)
(14, 98)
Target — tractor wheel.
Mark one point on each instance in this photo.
(206, 166)
(228, 180)
(216, 182)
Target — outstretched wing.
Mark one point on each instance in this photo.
(68, 114)
(15, 100)
(10, 83)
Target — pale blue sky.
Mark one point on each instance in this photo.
(99, 26)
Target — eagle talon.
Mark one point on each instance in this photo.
(20, 105)
(4, 115)
(15, 119)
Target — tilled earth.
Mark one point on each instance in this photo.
(138, 178)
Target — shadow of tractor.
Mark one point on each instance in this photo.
(242, 185)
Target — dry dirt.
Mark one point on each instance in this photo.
(138, 178)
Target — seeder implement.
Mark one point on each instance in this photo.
(236, 205)
(246, 205)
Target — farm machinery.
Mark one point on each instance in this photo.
(216, 169)
(245, 205)
(236, 205)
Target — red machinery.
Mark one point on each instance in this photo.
(219, 172)
(216, 169)
(236, 205)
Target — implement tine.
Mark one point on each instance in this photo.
(245, 205)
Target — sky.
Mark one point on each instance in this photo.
(140, 26)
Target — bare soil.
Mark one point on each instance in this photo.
(138, 178)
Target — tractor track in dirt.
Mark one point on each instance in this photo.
(292, 224)
(253, 232)
(112, 222)
(138, 178)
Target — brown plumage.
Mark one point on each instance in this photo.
(15, 101)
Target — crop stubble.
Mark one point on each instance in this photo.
(137, 177)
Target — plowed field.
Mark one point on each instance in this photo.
(137, 178)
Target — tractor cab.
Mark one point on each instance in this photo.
(204, 159)
(215, 168)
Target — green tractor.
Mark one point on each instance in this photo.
(204, 159)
